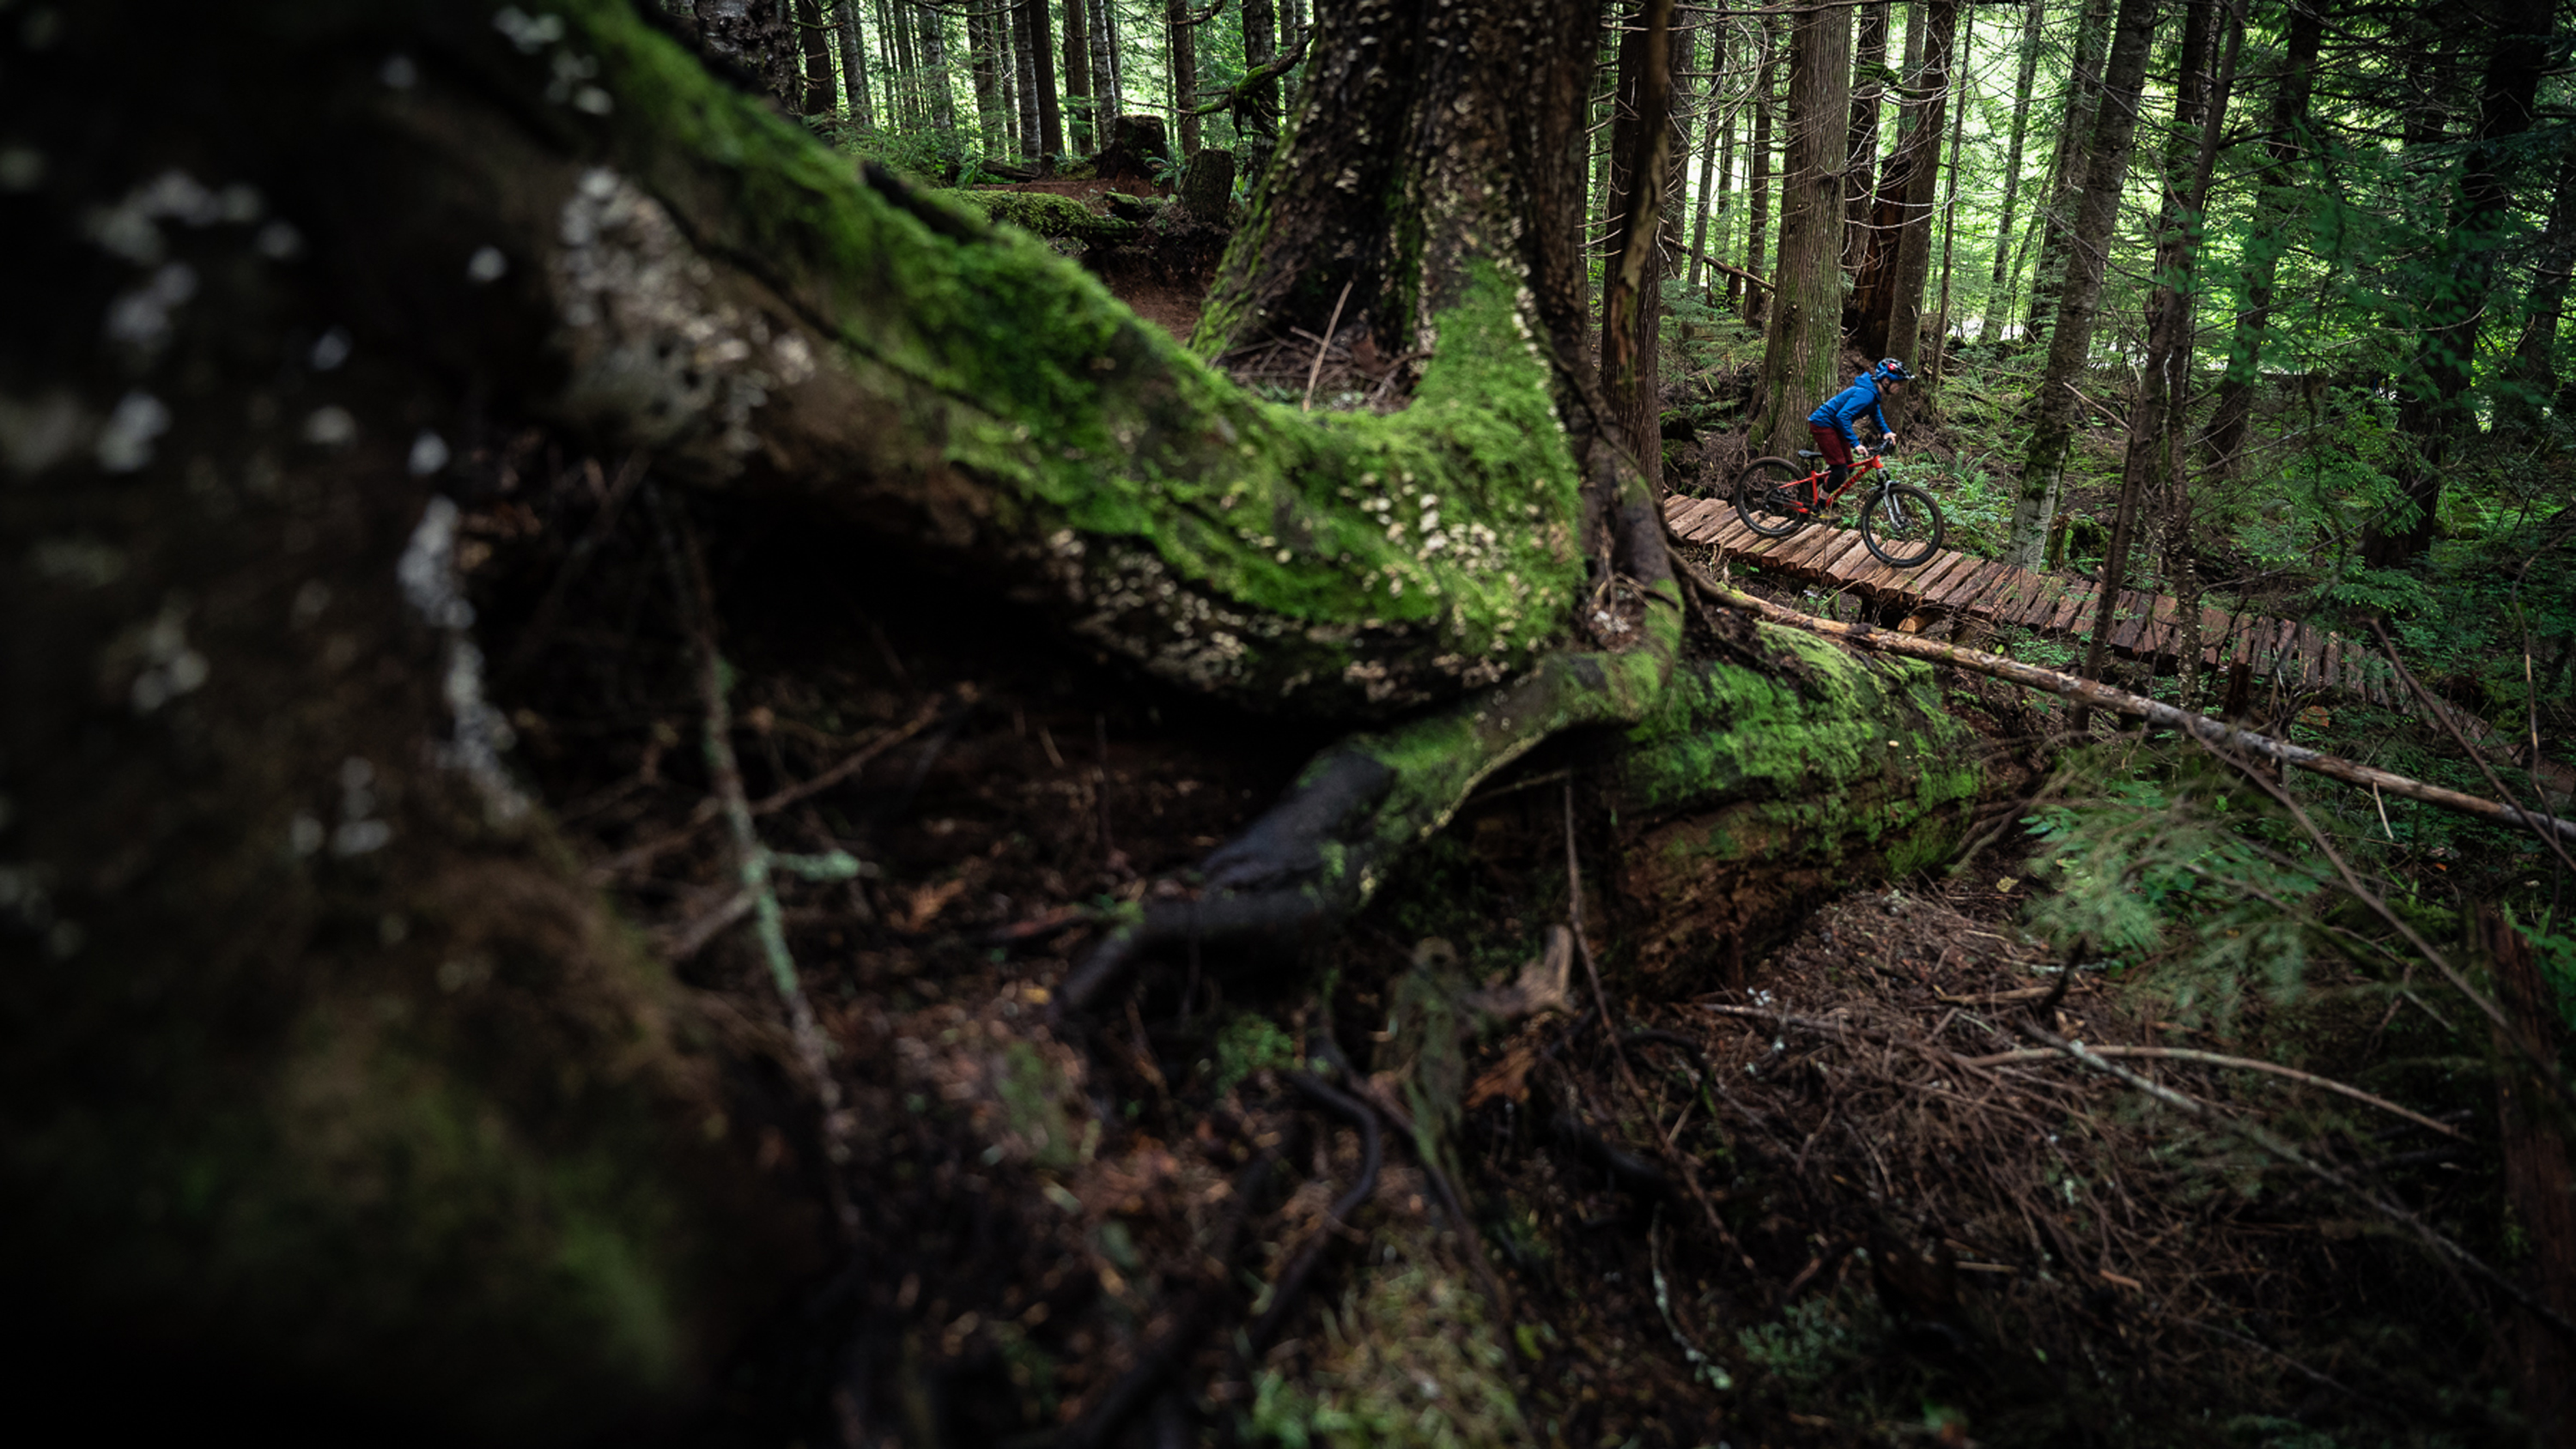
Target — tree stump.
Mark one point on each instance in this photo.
(1207, 185)
(1135, 144)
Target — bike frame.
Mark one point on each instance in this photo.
(1820, 502)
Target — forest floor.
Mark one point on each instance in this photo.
(1879, 1240)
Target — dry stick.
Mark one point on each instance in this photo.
(707, 810)
(2476, 756)
(1317, 371)
(2188, 1054)
(1609, 1025)
(2542, 1060)
(2270, 1142)
(753, 860)
(2102, 696)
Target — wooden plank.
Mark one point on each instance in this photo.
(1981, 591)
(2312, 656)
(1838, 560)
(2278, 659)
(2330, 669)
(1935, 578)
(1694, 519)
(1964, 586)
(1876, 580)
(2128, 615)
(1795, 551)
(2011, 595)
(2035, 601)
(2073, 605)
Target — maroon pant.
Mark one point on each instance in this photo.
(1831, 444)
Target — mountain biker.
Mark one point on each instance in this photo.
(1831, 422)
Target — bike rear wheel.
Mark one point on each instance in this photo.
(1771, 496)
(1902, 526)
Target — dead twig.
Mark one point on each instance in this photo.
(754, 861)
(2215, 1059)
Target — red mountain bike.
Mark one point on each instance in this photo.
(1900, 522)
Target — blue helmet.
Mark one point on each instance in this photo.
(1891, 370)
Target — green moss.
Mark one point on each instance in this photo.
(1045, 214)
(1388, 559)
(1858, 755)
(1407, 1361)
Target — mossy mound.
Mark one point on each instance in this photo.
(1048, 215)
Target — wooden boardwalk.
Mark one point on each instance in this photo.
(1954, 586)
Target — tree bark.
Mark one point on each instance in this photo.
(1024, 68)
(1077, 76)
(940, 105)
(754, 35)
(1941, 328)
(1929, 88)
(1107, 65)
(2191, 152)
(2432, 407)
(1869, 94)
(1180, 38)
(1757, 177)
(2067, 169)
(1716, 120)
(1042, 57)
(1641, 143)
(985, 59)
(854, 66)
(1998, 293)
(2070, 339)
(814, 78)
(2276, 203)
(1801, 357)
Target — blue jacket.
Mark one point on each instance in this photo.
(1838, 411)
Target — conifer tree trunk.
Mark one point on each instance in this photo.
(1641, 149)
(2067, 168)
(1256, 112)
(2432, 407)
(2191, 151)
(1929, 90)
(1869, 94)
(984, 66)
(2070, 339)
(941, 107)
(854, 65)
(1757, 174)
(1108, 67)
(1042, 60)
(1182, 77)
(1941, 328)
(755, 35)
(2276, 202)
(1079, 106)
(1024, 69)
(1801, 352)
(1999, 295)
(1715, 121)
(814, 71)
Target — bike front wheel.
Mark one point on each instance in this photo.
(1902, 526)
(1771, 496)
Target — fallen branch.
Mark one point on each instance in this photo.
(2214, 1059)
(754, 861)
(2102, 696)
